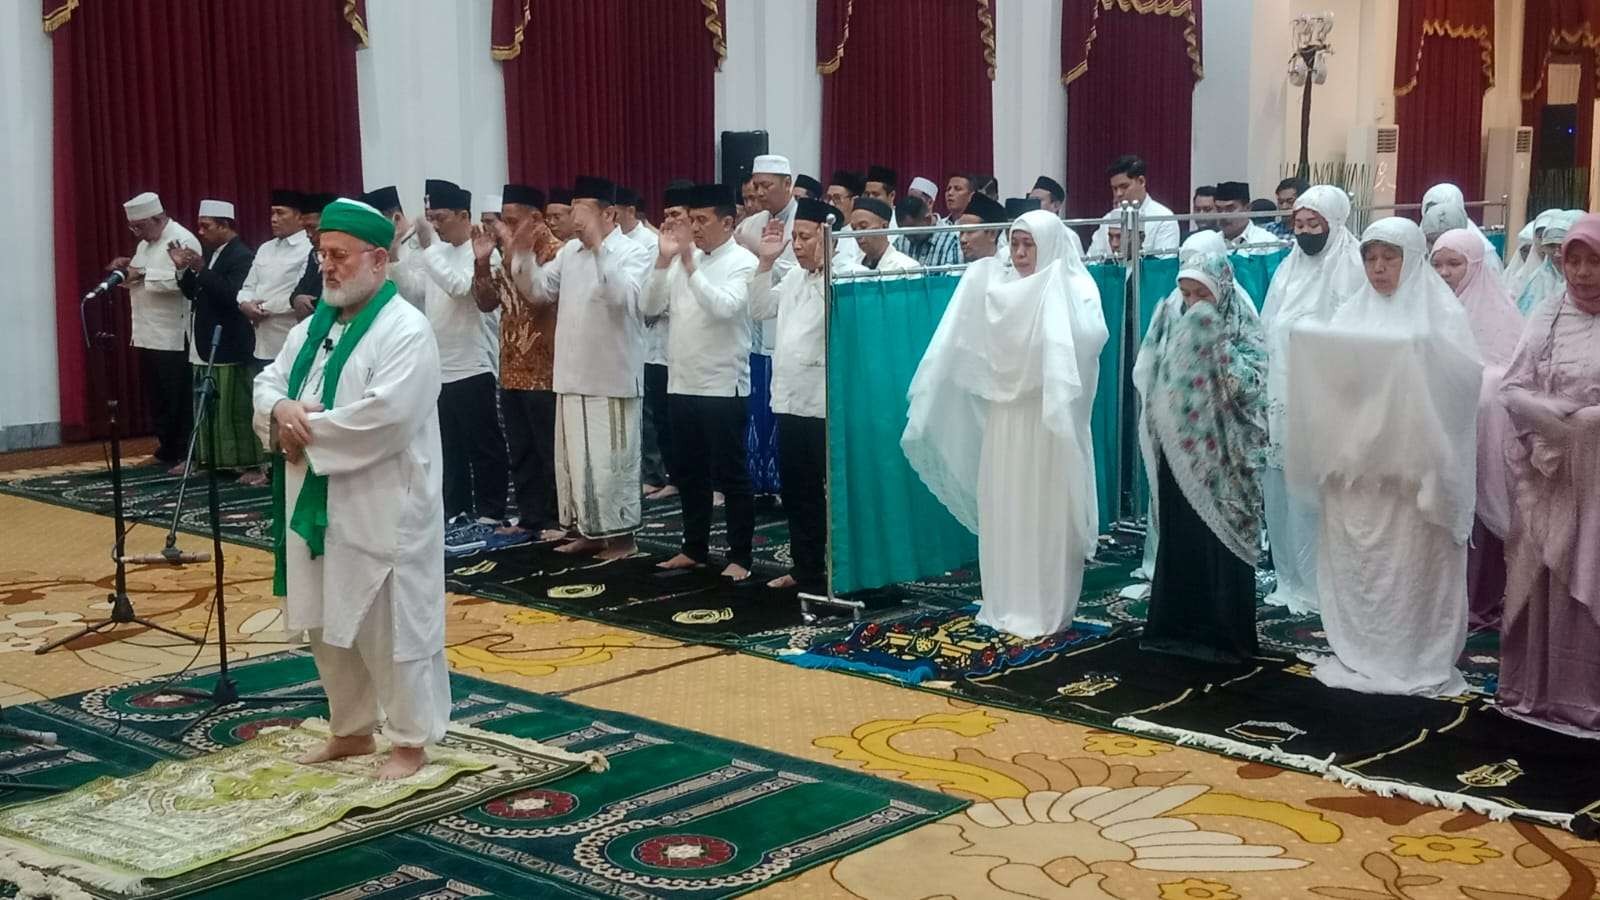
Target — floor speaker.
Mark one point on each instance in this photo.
(739, 152)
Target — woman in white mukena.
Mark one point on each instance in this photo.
(999, 423)
(1323, 268)
(1382, 431)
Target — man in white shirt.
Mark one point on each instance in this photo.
(771, 180)
(350, 401)
(469, 421)
(1127, 178)
(799, 373)
(160, 322)
(702, 279)
(595, 280)
(407, 279)
(654, 468)
(877, 252)
(843, 189)
(1234, 197)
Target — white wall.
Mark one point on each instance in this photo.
(1030, 102)
(432, 100)
(1237, 133)
(769, 80)
(30, 412)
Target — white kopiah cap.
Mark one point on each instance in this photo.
(143, 206)
(925, 186)
(216, 209)
(491, 204)
(771, 164)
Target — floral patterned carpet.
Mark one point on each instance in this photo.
(1061, 811)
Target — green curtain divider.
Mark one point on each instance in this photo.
(885, 527)
(1498, 241)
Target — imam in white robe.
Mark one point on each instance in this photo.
(998, 426)
(379, 448)
(1383, 431)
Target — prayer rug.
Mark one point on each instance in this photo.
(221, 811)
(949, 646)
(1492, 764)
(678, 814)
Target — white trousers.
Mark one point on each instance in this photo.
(366, 684)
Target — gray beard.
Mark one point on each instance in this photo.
(352, 292)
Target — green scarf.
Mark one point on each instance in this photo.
(311, 506)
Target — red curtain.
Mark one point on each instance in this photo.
(1130, 67)
(1568, 30)
(1444, 61)
(614, 88)
(190, 99)
(884, 102)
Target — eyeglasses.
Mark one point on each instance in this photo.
(338, 256)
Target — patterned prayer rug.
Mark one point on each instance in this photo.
(678, 814)
(945, 647)
(221, 811)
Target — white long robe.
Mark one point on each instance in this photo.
(379, 448)
(1308, 288)
(1383, 430)
(998, 427)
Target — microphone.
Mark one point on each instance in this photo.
(46, 738)
(171, 556)
(112, 279)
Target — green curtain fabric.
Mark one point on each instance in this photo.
(885, 525)
(1498, 241)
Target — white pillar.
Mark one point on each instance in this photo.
(1030, 102)
(432, 100)
(30, 411)
(769, 80)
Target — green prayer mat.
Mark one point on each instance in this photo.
(181, 815)
(678, 814)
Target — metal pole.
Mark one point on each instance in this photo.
(1132, 240)
(828, 481)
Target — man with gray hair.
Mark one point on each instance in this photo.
(358, 511)
(160, 322)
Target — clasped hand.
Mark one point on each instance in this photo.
(294, 426)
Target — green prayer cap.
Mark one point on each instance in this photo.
(358, 220)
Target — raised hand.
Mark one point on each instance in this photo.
(772, 244)
(669, 243)
(483, 241)
(425, 232)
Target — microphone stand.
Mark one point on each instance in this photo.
(122, 612)
(223, 691)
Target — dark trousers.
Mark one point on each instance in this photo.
(530, 418)
(656, 465)
(168, 393)
(708, 433)
(474, 449)
(803, 470)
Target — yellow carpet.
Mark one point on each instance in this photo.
(1063, 812)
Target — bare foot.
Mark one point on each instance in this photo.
(581, 547)
(618, 548)
(679, 562)
(339, 748)
(552, 534)
(253, 478)
(178, 469)
(650, 488)
(735, 572)
(783, 582)
(665, 493)
(402, 762)
(717, 499)
(511, 529)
